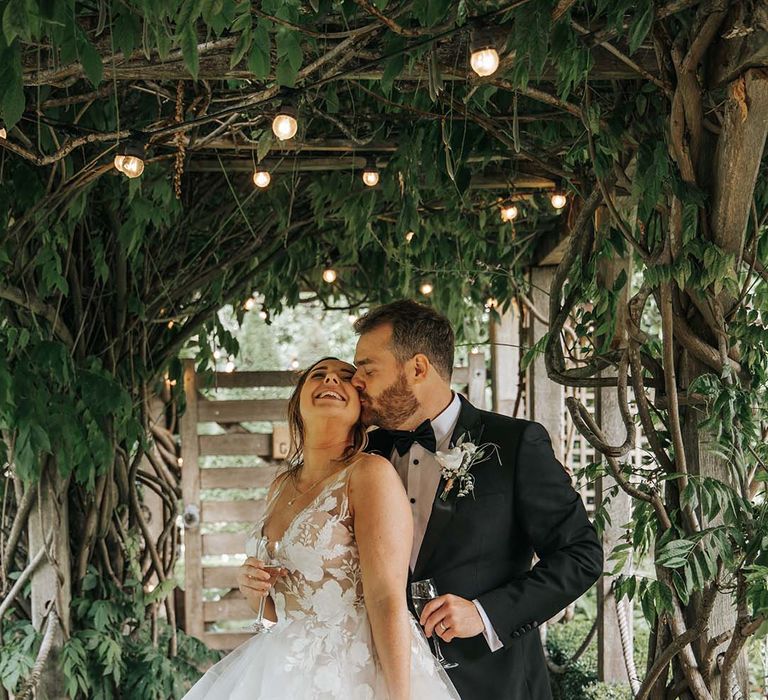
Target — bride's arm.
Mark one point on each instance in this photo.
(384, 532)
(253, 581)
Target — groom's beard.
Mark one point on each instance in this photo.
(396, 404)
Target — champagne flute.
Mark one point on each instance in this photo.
(268, 551)
(421, 593)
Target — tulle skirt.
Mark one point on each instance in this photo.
(306, 659)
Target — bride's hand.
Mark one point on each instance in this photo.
(254, 581)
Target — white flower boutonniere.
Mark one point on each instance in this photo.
(456, 463)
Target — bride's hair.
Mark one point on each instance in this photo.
(296, 426)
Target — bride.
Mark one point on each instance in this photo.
(343, 524)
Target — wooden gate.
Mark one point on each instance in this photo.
(213, 430)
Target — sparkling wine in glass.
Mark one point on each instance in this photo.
(421, 593)
(267, 551)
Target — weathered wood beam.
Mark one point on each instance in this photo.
(214, 65)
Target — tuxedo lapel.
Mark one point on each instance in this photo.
(442, 511)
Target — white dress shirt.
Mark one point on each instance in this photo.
(420, 473)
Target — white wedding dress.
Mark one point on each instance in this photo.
(321, 647)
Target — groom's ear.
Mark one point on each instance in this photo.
(421, 367)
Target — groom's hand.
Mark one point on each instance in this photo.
(451, 616)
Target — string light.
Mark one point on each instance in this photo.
(484, 58)
(285, 124)
(3, 131)
(170, 325)
(263, 315)
(180, 461)
(229, 367)
(217, 354)
(426, 288)
(329, 275)
(261, 178)
(409, 236)
(492, 303)
(370, 175)
(509, 212)
(249, 304)
(558, 200)
(294, 363)
(129, 159)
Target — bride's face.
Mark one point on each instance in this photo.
(328, 393)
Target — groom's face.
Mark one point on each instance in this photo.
(386, 397)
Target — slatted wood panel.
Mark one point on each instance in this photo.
(197, 449)
(266, 449)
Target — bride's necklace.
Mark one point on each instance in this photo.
(298, 495)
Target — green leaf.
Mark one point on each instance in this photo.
(241, 47)
(11, 87)
(641, 25)
(91, 61)
(265, 142)
(392, 69)
(188, 43)
(127, 32)
(285, 74)
(15, 21)
(189, 12)
(258, 59)
(288, 47)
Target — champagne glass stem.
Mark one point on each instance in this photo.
(262, 603)
(438, 650)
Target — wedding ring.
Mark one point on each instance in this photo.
(443, 627)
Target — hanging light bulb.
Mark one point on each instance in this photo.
(285, 124)
(370, 175)
(294, 363)
(3, 131)
(409, 236)
(558, 199)
(133, 166)
(483, 58)
(261, 178)
(426, 288)
(129, 159)
(217, 354)
(263, 315)
(329, 275)
(509, 212)
(229, 367)
(249, 304)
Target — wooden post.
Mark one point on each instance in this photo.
(611, 666)
(50, 512)
(190, 491)
(546, 399)
(477, 377)
(505, 360)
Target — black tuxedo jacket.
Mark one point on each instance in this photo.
(481, 546)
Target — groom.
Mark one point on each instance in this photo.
(477, 547)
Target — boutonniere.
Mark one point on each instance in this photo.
(456, 463)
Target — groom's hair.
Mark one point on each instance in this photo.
(416, 328)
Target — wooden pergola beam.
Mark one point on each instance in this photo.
(215, 66)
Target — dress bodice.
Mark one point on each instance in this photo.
(319, 551)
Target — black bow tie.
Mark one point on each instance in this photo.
(424, 435)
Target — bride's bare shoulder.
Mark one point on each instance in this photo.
(371, 475)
